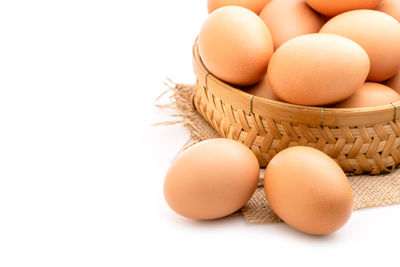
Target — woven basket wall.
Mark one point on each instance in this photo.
(361, 140)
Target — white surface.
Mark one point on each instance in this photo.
(81, 169)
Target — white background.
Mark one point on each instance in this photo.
(81, 167)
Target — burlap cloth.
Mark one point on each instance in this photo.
(368, 190)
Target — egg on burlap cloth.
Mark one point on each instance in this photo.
(368, 190)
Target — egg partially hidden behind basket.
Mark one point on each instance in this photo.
(235, 45)
(370, 95)
(262, 89)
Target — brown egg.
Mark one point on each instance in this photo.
(394, 82)
(287, 19)
(376, 32)
(211, 179)
(235, 45)
(308, 190)
(370, 95)
(263, 89)
(333, 8)
(390, 7)
(254, 5)
(317, 69)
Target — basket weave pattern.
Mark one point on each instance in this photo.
(365, 140)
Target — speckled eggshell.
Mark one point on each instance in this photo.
(335, 7)
(211, 179)
(317, 69)
(376, 32)
(287, 19)
(254, 5)
(370, 95)
(308, 190)
(235, 45)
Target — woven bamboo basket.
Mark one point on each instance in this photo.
(360, 140)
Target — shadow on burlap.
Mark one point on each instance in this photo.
(368, 190)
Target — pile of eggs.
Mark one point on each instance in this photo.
(342, 54)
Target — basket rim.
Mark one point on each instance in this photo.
(324, 116)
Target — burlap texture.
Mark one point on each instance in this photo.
(368, 190)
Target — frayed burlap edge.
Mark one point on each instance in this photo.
(368, 190)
